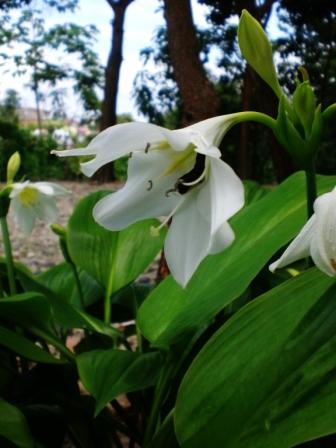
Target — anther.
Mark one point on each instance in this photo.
(150, 185)
(172, 190)
(147, 148)
(130, 154)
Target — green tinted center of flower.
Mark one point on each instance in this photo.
(28, 196)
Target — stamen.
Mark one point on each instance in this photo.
(147, 148)
(172, 190)
(150, 185)
(130, 154)
(194, 182)
(155, 231)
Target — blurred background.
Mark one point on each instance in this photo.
(70, 68)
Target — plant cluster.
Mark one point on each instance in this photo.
(221, 353)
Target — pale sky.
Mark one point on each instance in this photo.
(142, 18)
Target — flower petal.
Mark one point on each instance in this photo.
(24, 216)
(214, 129)
(51, 189)
(188, 240)
(221, 239)
(323, 248)
(299, 247)
(115, 142)
(144, 194)
(222, 195)
(46, 208)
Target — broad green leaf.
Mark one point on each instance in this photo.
(112, 258)
(29, 310)
(64, 314)
(24, 347)
(267, 377)
(60, 279)
(109, 373)
(14, 427)
(165, 437)
(261, 229)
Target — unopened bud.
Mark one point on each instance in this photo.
(13, 166)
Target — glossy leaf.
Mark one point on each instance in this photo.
(114, 259)
(60, 279)
(261, 229)
(24, 347)
(267, 377)
(64, 314)
(29, 310)
(13, 426)
(109, 373)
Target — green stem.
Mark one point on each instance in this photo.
(54, 341)
(329, 112)
(257, 117)
(78, 285)
(160, 393)
(9, 256)
(311, 187)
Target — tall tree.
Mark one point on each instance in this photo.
(112, 74)
(198, 94)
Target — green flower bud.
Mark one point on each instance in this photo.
(257, 50)
(304, 105)
(58, 230)
(301, 147)
(13, 166)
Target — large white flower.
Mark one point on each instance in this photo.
(317, 238)
(31, 200)
(176, 174)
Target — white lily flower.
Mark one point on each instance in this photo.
(317, 238)
(31, 200)
(176, 174)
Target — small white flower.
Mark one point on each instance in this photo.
(317, 238)
(31, 200)
(175, 174)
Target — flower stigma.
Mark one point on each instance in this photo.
(29, 196)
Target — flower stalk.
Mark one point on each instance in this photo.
(8, 254)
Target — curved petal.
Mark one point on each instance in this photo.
(188, 240)
(299, 247)
(214, 129)
(46, 209)
(222, 195)
(24, 216)
(115, 142)
(323, 248)
(51, 189)
(221, 239)
(144, 194)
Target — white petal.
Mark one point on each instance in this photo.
(214, 129)
(222, 195)
(24, 216)
(115, 142)
(221, 239)
(299, 247)
(188, 240)
(51, 189)
(323, 249)
(46, 209)
(178, 139)
(135, 201)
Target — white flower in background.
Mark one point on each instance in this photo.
(317, 238)
(31, 200)
(176, 174)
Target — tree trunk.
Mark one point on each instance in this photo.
(199, 98)
(112, 74)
